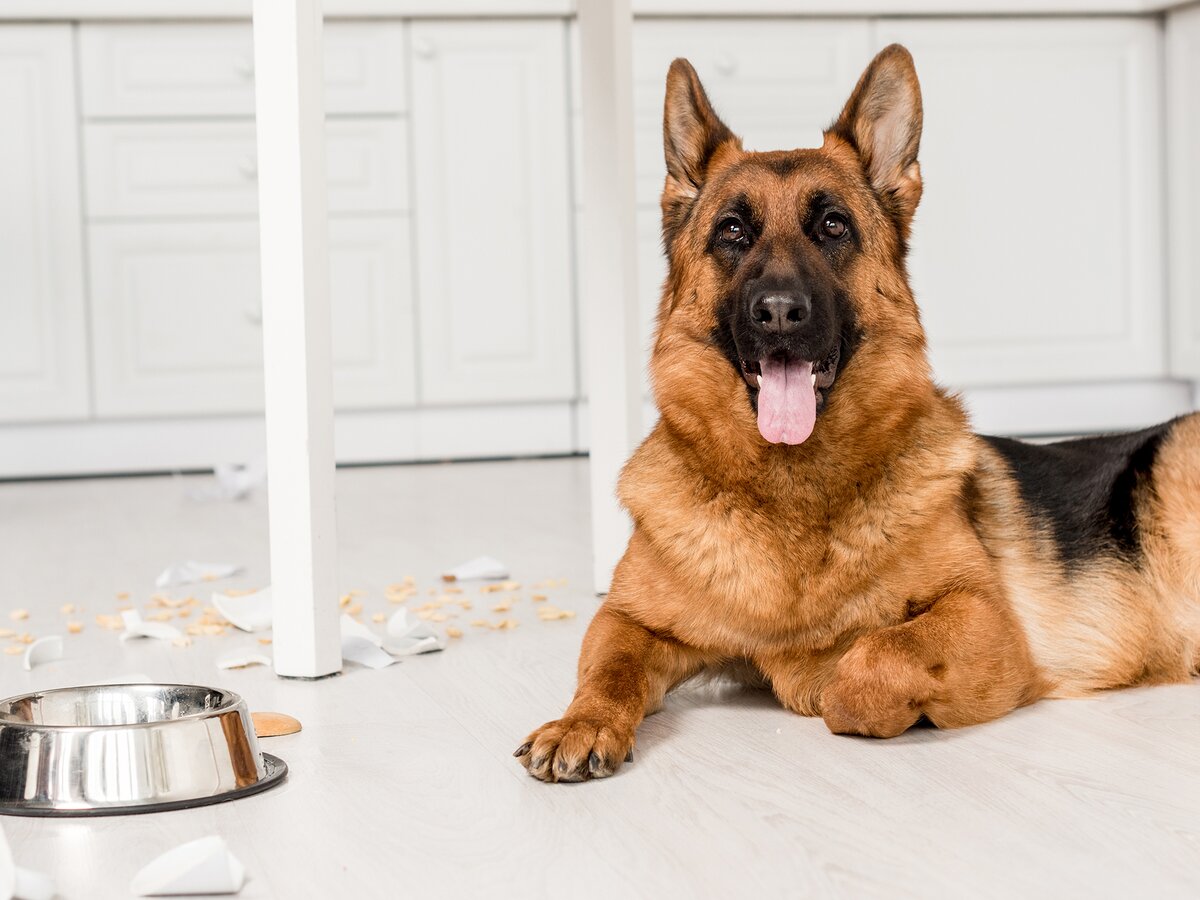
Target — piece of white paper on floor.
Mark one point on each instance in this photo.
(137, 627)
(18, 883)
(485, 567)
(362, 645)
(408, 637)
(43, 650)
(243, 657)
(249, 612)
(232, 481)
(203, 866)
(189, 572)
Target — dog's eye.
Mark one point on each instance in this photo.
(731, 232)
(834, 226)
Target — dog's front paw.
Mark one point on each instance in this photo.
(877, 690)
(575, 748)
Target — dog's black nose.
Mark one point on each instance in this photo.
(781, 312)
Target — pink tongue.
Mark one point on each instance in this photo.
(787, 403)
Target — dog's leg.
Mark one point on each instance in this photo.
(624, 671)
(963, 661)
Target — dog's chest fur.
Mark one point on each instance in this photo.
(799, 558)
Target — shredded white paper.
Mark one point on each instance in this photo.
(249, 612)
(480, 567)
(203, 866)
(190, 571)
(137, 627)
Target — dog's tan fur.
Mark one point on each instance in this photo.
(887, 568)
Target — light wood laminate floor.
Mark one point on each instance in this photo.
(402, 782)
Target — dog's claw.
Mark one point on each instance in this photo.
(593, 763)
(523, 749)
(629, 755)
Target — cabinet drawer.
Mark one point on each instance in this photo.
(177, 323)
(207, 69)
(210, 168)
(777, 83)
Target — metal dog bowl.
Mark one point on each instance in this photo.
(128, 748)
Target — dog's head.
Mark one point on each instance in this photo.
(786, 306)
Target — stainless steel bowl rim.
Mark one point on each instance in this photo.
(229, 701)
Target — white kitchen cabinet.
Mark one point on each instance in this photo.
(176, 329)
(1037, 251)
(173, 169)
(492, 220)
(207, 69)
(1183, 198)
(43, 361)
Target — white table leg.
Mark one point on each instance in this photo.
(608, 267)
(296, 335)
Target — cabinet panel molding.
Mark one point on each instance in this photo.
(492, 211)
(1037, 249)
(178, 317)
(43, 356)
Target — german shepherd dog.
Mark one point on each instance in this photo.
(813, 510)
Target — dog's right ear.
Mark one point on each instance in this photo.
(692, 132)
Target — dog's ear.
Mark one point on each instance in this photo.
(882, 122)
(692, 132)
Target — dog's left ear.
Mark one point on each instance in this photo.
(882, 122)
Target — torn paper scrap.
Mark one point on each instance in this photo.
(480, 567)
(137, 627)
(362, 645)
(18, 883)
(43, 650)
(365, 652)
(352, 628)
(190, 571)
(232, 481)
(408, 637)
(249, 612)
(244, 657)
(203, 866)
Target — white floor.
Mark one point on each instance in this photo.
(402, 782)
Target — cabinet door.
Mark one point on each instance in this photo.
(492, 211)
(1037, 249)
(177, 324)
(1183, 196)
(43, 369)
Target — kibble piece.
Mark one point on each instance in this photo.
(67, 608)
(14, 649)
(269, 724)
(453, 632)
(74, 627)
(379, 617)
(18, 615)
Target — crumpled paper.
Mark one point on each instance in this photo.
(43, 650)
(190, 571)
(203, 866)
(480, 567)
(244, 657)
(137, 627)
(408, 638)
(232, 481)
(249, 612)
(361, 645)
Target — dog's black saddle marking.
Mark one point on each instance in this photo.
(1086, 490)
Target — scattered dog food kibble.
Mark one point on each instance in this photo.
(271, 724)
(18, 615)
